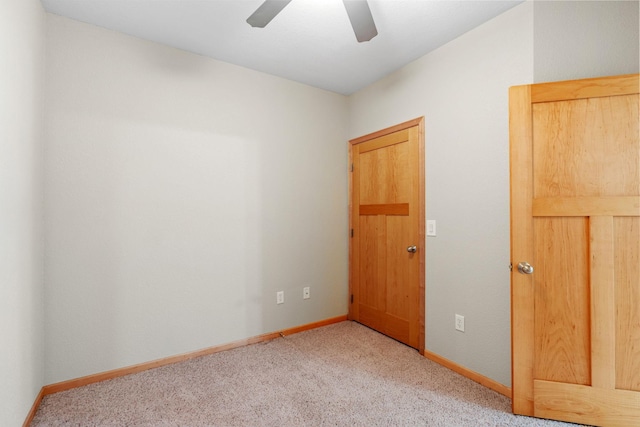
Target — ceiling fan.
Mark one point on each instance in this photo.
(358, 11)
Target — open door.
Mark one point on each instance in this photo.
(575, 247)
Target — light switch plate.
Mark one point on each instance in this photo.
(431, 227)
(459, 323)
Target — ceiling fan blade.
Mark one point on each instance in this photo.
(266, 12)
(361, 19)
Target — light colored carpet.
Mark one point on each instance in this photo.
(339, 375)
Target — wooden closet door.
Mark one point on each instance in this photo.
(387, 242)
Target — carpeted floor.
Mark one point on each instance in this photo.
(339, 375)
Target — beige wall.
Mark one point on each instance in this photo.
(182, 193)
(581, 39)
(22, 26)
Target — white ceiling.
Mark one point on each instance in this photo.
(310, 41)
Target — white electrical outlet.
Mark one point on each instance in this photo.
(306, 292)
(280, 297)
(459, 323)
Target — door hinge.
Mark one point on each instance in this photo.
(351, 167)
(352, 232)
(351, 298)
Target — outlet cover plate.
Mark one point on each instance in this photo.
(280, 297)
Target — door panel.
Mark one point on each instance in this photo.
(593, 156)
(398, 271)
(388, 180)
(373, 233)
(386, 216)
(575, 216)
(561, 306)
(627, 273)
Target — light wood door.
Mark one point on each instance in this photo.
(387, 219)
(575, 206)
